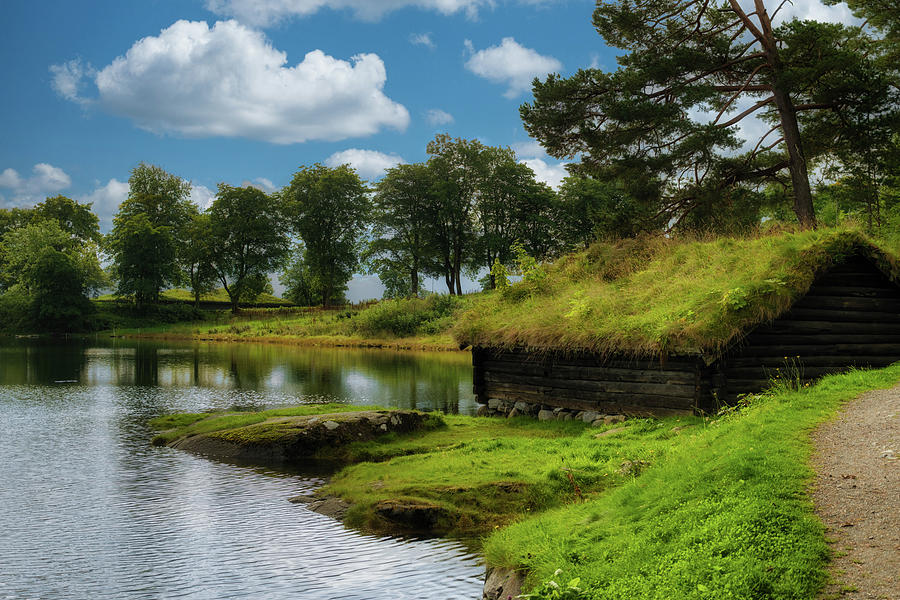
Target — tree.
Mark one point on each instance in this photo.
(196, 255)
(53, 271)
(590, 209)
(457, 167)
(247, 240)
(74, 218)
(300, 285)
(687, 56)
(328, 208)
(511, 206)
(147, 231)
(401, 215)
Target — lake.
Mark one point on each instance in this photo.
(89, 509)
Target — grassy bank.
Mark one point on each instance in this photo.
(668, 508)
(415, 323)
(656, 295)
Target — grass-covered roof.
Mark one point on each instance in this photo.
(651, 296)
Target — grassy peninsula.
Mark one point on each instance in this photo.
(650, 508)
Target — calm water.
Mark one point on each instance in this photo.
(88, 509)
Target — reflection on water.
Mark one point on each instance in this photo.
(88, 509)
(422, 380)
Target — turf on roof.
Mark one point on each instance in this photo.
(655, 295)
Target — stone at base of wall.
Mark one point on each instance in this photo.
(502, 584)
(543, 412)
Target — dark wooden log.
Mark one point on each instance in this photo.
(552, 395)
(850, 291)
(839, 316)
(891, 349)
(613, 387)
(808, 372)
(762, 339)
(888, 305)
(837, 360)
(826, 327)
(854, 279)
(593, 373)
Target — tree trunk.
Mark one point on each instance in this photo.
(803, 204)
(414, 292)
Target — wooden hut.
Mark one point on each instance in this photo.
(848, 317)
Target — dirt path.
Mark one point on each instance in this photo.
(857, 495)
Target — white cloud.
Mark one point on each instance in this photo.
(68, 77)
(370, 164)
(45, 181)
(436, 117)
(202, 196)
(260, 183)
(228, 81)
(511, 64)
(814, 10)
(422, 39)
(262, 13)
(549, 173)
(105, 201)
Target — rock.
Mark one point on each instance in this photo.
(598, 423)
(493, 403)
(523, 407)
(501, 584)
(331, 425)
(589, 416)
(514, 413)
(567, 416)
(412, 517)
(610, 432)
(546, 415)
(610, 419)
(558, 409)
(632, 467)
(482, 411)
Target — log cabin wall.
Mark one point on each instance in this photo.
(586, 382)
(850, 317)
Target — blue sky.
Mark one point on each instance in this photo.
(243, 91)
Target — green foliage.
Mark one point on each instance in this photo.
(592, 209)
(248, 240)
(301, 286)
(147, 233)
(500, 275)
(409, 317)
(551, 590)
(329, 211)
(659, 294)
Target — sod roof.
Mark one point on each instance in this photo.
(651, 296)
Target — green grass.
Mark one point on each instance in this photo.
(659, 295)
(218, 295)
(726, 515)
(181, 425)
(415, 323)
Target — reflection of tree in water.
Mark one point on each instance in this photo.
(38, 362)
(146, 364)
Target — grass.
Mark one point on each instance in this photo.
(658, 295)
(727, 515)
(181, 425)
(216, 296)
(409, 323)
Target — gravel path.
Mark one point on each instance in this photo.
(857, 495)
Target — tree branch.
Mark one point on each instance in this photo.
(750, 110)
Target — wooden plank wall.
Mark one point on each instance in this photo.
(587, 382)
(850, 317)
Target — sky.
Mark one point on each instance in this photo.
(249, 91)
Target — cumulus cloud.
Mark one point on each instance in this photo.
(229, 81)
(68, 78)
(550, 173)
(260, 183)
(105, 201)
(370, 164)
(45, 180)
(202, 196)
(814, 10)
(511, 64)
(436, 117)
(262, 13)
(422, 39)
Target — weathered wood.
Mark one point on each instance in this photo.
(890, 349)
(852, 279)
(808, 372)
(888, 305)
(812, 361)
(614, 387)
(547, 395)
(672, 363)
(826, 327)
(593, 374)
(761, 339)
(839, 316)
(851, 291)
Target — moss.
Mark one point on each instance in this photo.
(659, 295)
